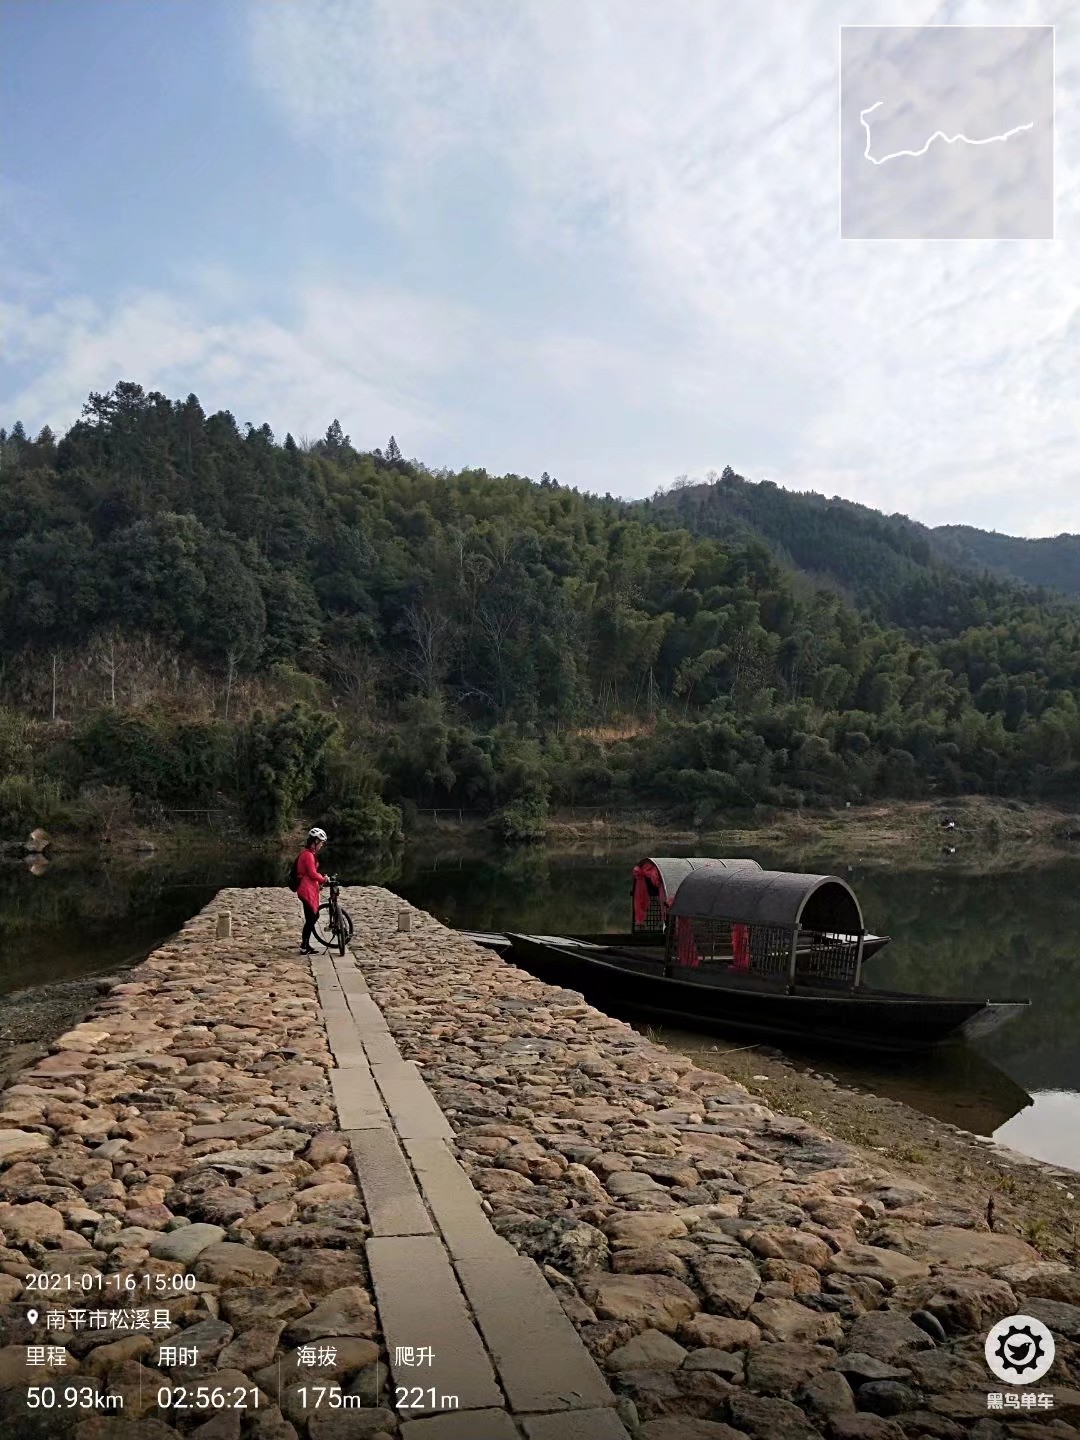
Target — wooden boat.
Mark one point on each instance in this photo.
(640, 941)
(500, 941)
(654, 884)
(765, 953)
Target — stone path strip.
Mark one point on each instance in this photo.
(443, 1278)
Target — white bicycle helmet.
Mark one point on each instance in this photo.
(316, 834)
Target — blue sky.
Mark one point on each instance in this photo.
(597, 238)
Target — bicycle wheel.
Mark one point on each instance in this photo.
(325, 929)
(345, 930)
(334, 928)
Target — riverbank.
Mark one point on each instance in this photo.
(131, 843)
(1031, 1198)
(985, 832)
(32, 1017)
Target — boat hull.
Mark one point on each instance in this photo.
(863, 1019)
(643, 940)
(496, 940)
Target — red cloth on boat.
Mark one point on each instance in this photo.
(686, 950)
(647, 886)
(740, 947)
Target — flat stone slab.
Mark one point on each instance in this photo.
(186, 1244)
(359, 1104)
(880, 1264)
(411, 1104)
(393, 1202)
(349, 974)
(1056, 1315)
(322, 967)
(579, 1425)
(420, 1304)
(229, 1264)
(542, 1363)
(367, 1015)
(341, 1034)
(451, 1198)
(463, 1425)
(948, 1245)
(226, 1130)
(241, 1161)
(22, 1142)
(379, 1047)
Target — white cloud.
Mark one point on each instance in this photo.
(352, 354)
(690, 150)
(440, 376)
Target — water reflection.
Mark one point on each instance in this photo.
(954, 1083)
(1049, 1129)
(80, 917)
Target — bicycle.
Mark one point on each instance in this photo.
(338, 924)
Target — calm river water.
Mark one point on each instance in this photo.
(953, 933)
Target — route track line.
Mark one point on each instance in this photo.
(937, 135)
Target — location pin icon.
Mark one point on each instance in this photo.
(32, 1316)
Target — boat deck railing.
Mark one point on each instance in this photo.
(772, 952)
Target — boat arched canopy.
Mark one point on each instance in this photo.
(774, 898)
(673, 870)
(656, 879)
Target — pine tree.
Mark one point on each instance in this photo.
(393, 452)
(336, 442)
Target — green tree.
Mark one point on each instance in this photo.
(278, 758)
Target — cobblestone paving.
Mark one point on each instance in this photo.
(189, 1128)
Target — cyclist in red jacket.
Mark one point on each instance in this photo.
(311, 881)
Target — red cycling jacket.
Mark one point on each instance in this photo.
(310, 878)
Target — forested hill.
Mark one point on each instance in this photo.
(905, 572)
(193, 613)
(1053, 562)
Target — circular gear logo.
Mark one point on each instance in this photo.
(1019, 1350)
